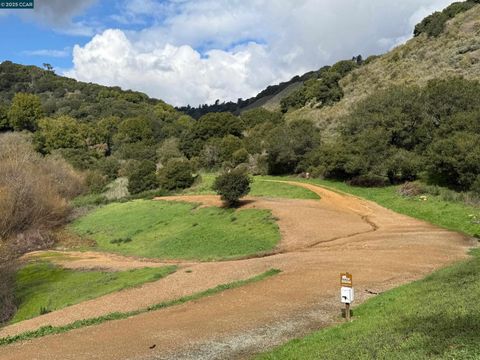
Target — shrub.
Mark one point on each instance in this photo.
(476, 186)
(434, 24)
(137, 151)
(176, 174)
(62, 132)
(169, 149)
(410, 189)
(25, 112)
(109, 166)
(240, 156)
(288, 145)
(142, 177)
(95, 182)
(369, 180)
(34, 191)
(453, 161)
(4, 124)
(231, 186)
(254, 117)
(7, 297)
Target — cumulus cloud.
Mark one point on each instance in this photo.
(178, 74)
(203, 50)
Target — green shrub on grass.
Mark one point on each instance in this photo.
(232, 185)
(142, 177)
(176, 174)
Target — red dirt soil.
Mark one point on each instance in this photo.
(320, 239)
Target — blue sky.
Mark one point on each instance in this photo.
(24, 37)
(197, 51)
(32, 40)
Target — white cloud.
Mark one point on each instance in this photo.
(175, 73)
(203, 50)
(49, 52)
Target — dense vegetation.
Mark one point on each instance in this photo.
(399, 134)
(322, 88)
(405, 133)
(65, 96)
(33, 189)
(434, 24)
(61, 138)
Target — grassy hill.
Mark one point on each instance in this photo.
(454, 52)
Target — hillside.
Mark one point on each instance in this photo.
(455, 52)
(268, 98)
(438, 52)
(64, 96)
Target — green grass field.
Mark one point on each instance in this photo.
(175, 230)
(259, 187)
(42, 287)
(434, 318)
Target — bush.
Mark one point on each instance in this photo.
(288, 145)
(434, 24)
(7, 297)
(34, 191)
(231, 186)
(410, 189)
(240, 157)
(406, 132)
(257, 116)
(25, 112)
(176, 174)
(369, 180)
(476, 186)
(109, 166)
(142, 177)
(95, 182)
(453, 161)
(169, 149)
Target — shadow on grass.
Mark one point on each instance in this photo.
(439, 335)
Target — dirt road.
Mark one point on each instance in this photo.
(319, 239)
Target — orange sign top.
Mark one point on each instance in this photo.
(346, 280)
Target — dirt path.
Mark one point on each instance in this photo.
(320, 239)
(96, 260)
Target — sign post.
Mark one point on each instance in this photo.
(346, 292)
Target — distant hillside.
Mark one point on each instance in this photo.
(454, 50)
(268, 98)
(65, 96)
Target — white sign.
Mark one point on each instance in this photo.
(347, 295)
